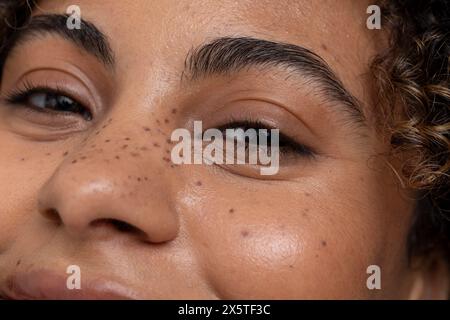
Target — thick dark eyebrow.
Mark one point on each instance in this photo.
(88, 37)
(226, 55)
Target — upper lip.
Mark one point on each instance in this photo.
(45, 285)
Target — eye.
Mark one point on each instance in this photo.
(49, 100)
(286, 144)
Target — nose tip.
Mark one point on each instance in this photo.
(100, 207)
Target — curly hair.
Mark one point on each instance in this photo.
(412, 79)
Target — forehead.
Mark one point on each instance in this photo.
(158, 34)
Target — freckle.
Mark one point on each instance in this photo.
(83, 158)
(48, 154)
(169, 141)
(324, 47)
(166, 159)
(65, 153)
(317, 255)
(23, 159)
(97, 133)
(324, 243)
(144, 148)
(74, 161)
(129, 177)
(156, 145)
(166, 121)
(231, 210)
(158, 122)
(291, 266)
(107, 140)
(117, 157)
(168, 151)
(307, 194)
(145, 178)
(110, 120)
(174, 111)
(361, 179)
(124, 146)
(134, 154)
(127, 139)
(18, 262)
(172, 166)
(147, 129)
(198, 183)
(244, 233)
(139, 179)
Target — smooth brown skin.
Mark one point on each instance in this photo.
(201, 231)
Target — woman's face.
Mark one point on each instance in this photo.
(92, 183)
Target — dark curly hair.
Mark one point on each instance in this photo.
(412, 79)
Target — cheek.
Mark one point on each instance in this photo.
(279, 245)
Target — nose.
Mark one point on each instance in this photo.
(92, 197)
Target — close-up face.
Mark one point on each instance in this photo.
(87, 171)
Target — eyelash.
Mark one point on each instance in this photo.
(21, 97)
(287, 145)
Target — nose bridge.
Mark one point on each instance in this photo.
(117, 174)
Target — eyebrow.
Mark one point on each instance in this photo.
(231, 54)
(88, 37)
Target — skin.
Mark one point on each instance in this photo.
(201, 231)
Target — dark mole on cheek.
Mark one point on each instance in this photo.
(245, 233)
(18, 262)
(324, 243)
(231, 210)
(139, 179)
(166, 121)
(305, 212)
(65, 153)
(74, 161)
(127, 139)
(147, 129)
(198, 183)
(107, 140)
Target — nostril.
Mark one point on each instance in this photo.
(119, 225)
(53, 215)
